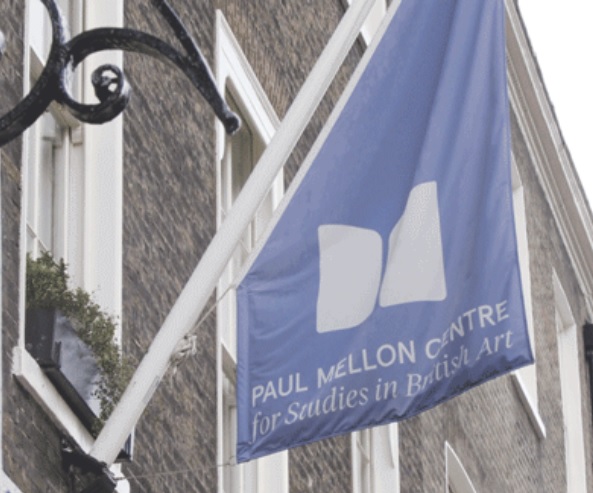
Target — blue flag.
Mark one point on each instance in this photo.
(389, 281)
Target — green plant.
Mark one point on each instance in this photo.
(47, 287)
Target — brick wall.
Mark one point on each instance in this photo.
(169, 200)
(488, 427)
(169, 218)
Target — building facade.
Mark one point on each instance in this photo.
(132, 205)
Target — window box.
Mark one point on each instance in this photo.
(66, 360)
(69, 364)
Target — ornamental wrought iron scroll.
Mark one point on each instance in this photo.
(111, 87)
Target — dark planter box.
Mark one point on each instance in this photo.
(69, 363)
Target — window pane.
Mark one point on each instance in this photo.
(46, 194)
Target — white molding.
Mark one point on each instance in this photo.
(525, 379)
(530, 406)
(373, 21)
(1, 333)
(7, 485)
(233, 71)
(356, 461)
(457, 478)
(232, 66)
(571, 390)
(228, 363)
(551, 158)
(562, 303)
(32, 378)
(380, 459)
(103, 178)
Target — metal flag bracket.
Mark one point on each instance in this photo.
(111, 87)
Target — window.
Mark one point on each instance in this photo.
(241, 153)
(53, 156)
(375, 460)
(525, 378)
(361, 461)
(373, 21)
(72, 192)
(570, 390)
(457, 478)
(236, 158)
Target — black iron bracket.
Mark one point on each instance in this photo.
(111, 87)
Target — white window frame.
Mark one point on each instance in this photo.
(100, 174)
(361, 445)
(570, 379)
(267, 474)
(53, 149)
(457, 479)
(373, 21)
(7, 485)
(375, 460)
(525, 378)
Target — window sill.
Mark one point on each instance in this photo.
(529, 405)
(7, 485)
(31, 377)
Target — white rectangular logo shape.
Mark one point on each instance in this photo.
(350, 264)
(415, 270)
(350, 274)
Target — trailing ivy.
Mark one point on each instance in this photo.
(47, 287)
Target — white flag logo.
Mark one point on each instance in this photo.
(351, 260)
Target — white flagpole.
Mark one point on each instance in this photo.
(187, 309)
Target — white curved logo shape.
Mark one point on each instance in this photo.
(350, 264)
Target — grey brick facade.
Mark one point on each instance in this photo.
(169, 218)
